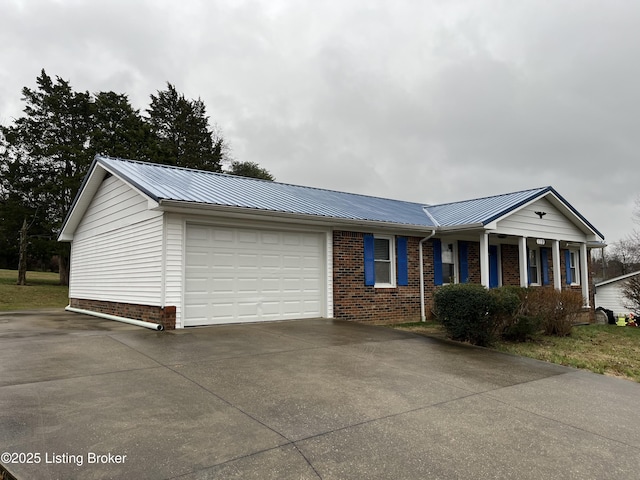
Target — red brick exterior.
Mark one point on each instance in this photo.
(473, 259)
(353, 300)
(510, 265)
(164, 316)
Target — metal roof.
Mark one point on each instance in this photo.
(481, 210)
(186, 185)
(616, 279)
(163, 182)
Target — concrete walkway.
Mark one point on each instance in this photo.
(87, 398)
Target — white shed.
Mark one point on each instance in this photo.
(609, 294)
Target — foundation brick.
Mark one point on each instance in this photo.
(164, 316)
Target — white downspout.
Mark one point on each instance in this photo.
(131, 321)
(423, 313)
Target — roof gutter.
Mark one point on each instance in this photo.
(230, 211)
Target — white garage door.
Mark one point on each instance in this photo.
(243, 275)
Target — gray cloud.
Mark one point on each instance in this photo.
(426, 101)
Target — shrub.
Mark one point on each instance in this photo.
(555, 309)
(522, 328)
(465, 312)
(512, 321)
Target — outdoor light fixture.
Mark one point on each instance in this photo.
(540, 241)
(540, 214)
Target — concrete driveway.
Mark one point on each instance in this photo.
(87, 398)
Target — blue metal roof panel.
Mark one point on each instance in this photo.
(187, 185)
(181, 184)
(481, 210)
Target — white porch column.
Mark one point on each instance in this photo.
(484, 259)
(555, 257)
(584, 273)
(522, 255)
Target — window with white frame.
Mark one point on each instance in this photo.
(534, 266)
(383, 256)
(448, 263)
(574, 266)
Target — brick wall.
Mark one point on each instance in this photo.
(164, 316)
(510, 265)
(353, 300)
(473, 259)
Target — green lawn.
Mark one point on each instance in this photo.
(606, 349)
(42, 291)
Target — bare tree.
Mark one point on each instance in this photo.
(631, 292)
(624, 256)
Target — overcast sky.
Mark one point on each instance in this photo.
(427, 101)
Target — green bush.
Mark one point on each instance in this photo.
(471, 313)
(512, 321)
(521, 328)
(465, 312)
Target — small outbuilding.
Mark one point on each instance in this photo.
(182, 247)
(609, 295)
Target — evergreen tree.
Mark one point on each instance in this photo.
(118, 130)
(46, 154)
(249, 169)
(184, 137)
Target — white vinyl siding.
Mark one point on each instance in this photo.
(610, 297)
(553, 225)
(117, 248)
(174, 264)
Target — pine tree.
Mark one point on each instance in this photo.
(249, 169)
(184, 137)
(46, 154)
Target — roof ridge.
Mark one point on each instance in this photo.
(540, 189)
(270, 182)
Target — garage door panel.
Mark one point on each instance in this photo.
(242, 275)
(198, 285)
(270, 238)
(248, 286)
(271, 261)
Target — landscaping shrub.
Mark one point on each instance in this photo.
(521, 329)
(555, 309)
(471, 313)
(512, 321)
(465, 312)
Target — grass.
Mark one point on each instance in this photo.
(42, 291)
(605, 349)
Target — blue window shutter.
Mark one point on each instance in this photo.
(494, 279)
(403, 268)
(369, 260)
(567, 266)
(437, 261)
(544, 264)
(528, 267)
(463, 253)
